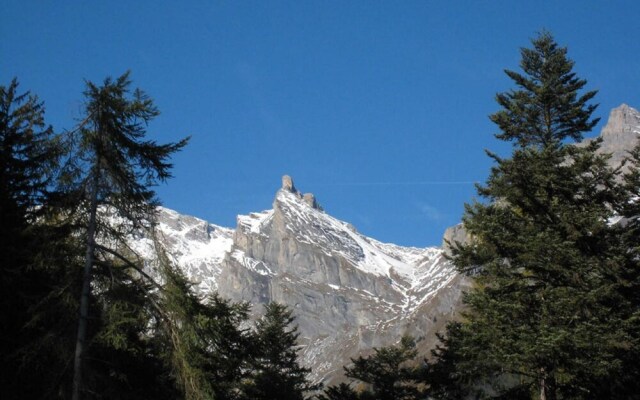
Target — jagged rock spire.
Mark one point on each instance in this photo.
(287, 184)
(308, 198)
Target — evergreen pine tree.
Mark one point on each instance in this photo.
(116, 169)
(342, 391)
(29, 155)
(203, 343)
(389, 372)
(545, 317)
(441, 374)
(276, 373)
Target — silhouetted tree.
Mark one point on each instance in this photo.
(390, 373)
(29, 157)
(117, 167)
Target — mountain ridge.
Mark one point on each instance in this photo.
(348, 292)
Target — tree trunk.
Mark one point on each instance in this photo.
(86, 289)
(547, 386)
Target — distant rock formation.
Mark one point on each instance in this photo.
(622, 120)
(453, 235)
(287, 184)
(309, 198)
(620, 134)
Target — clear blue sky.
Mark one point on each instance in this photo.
(378, 107)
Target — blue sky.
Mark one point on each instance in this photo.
(377, 107)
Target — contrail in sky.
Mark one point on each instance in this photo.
(395, 183)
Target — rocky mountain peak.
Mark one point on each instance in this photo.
(620, 134)
(307, 198)
(349, 292)
(622, 120)
(287, 184)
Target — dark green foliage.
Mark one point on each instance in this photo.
(276, 373)
(442, 376)
(548, 316)
(342, 391)
(113, 149)
(204, 347)
(124, 361)
(545, 108)
(388, 374)
(29, 154)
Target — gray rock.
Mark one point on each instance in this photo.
(454, 235)
(310, 199)
(620, 134)
(287, 184)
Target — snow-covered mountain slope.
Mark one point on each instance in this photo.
(349, 292)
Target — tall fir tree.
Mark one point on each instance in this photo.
(276, 372)
(117, 166)
(29, 155)
(390, 372)
(546, 317)
(203, 344)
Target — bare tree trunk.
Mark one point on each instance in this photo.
(547, 386)
(86, 289)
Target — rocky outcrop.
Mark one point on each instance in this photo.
(310, 199)
(453, 236)
(287, 184)
(623, 120)
(620, 134)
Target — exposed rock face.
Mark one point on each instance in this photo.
(287, 184)
(349, 292)
(622, 120)
(453, 235)
(310, 199)
(621, 133)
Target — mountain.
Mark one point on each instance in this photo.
(349, 292)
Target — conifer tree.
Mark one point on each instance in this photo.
(116, 168)
(547, 316)
(204, 346)
(388, 372)
(442, 375)
(276, 373)
(343, 391)
(29, 155)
